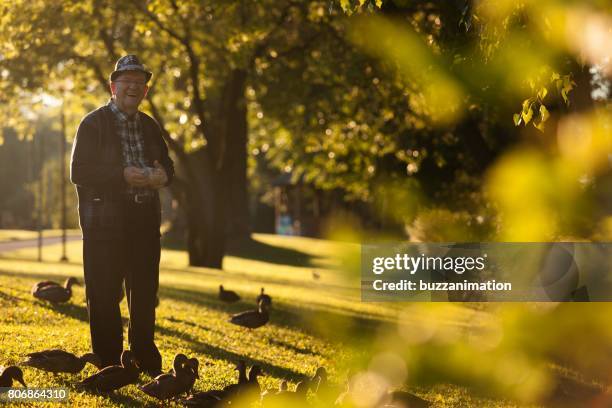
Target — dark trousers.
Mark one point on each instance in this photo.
(133, 257)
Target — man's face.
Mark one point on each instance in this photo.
(129, 89)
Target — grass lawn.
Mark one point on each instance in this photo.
(16, 235)
(314, 322)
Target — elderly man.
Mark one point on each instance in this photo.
(119, 161)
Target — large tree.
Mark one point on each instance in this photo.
(205, 56)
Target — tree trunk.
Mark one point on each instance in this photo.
(216, 202)
(236, 153)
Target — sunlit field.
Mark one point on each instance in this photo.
(15, 235)
(314, 322)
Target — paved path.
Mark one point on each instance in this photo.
(33, 243)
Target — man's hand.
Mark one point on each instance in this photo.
(135, 177)
(158, 177)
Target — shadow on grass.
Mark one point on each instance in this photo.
(5, 297)
(295, 349)
(249, 248)
(339, 324)
(68, 309)
(120, 399)
(219, 353)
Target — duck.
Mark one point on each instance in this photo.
(252, 319)
(249, 391)
(275, 398)
(113, 377)
(266, 299)
(232, 390)
(10, 373)
(60, 361)
(228, 296)
(323, 389)
(192, 366)
(301, 390)
(53, 291)
(253, 382)
(282, 388)
(170, 385)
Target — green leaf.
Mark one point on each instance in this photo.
(517, 119)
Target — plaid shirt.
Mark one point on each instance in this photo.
(132, 143)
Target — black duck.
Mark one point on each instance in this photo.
(228, 296)
(113, 377)
(10, 373)
(252, 319)
(60, 361)
(264, 298)
(54, 292)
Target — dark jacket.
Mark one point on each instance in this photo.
(96, 168)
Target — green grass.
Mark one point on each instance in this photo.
(17, 235)
(313, 322)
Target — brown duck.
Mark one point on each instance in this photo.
(192, 365)
(234, 389)
(326, 392)
(252, 319)
(247, 390)
(228, 296)
(10, 373)
(60, 361)
(251, 391)
(53, 291)
(264, 298)
(173, 384)
(113, 377)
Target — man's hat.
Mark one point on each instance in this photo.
(129, 63)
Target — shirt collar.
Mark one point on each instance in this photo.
(120, 115)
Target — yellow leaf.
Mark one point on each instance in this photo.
(542, 93)
(527, 115)
(544, 115)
